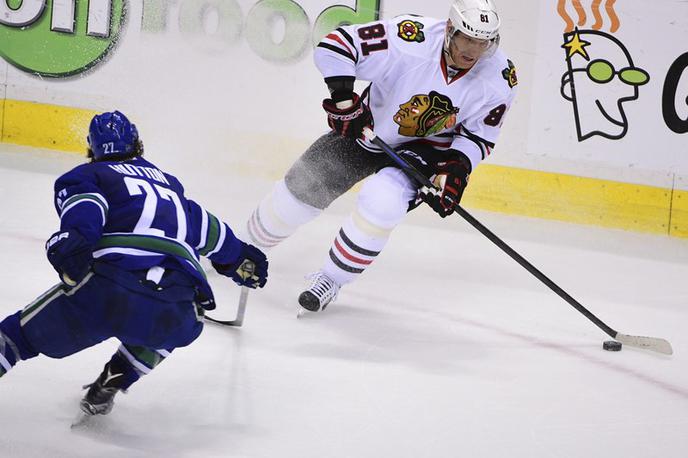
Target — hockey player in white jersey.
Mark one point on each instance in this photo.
(439, 93)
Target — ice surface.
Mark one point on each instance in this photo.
(444, 348)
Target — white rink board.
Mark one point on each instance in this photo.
(240, 86)
(649, 144)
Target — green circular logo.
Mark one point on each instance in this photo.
(58, 38)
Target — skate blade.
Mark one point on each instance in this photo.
(81, 419)
(301, 312)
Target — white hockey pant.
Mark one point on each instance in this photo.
(382, 204)
(277, 217)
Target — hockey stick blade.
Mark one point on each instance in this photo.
(234, 323)
(647, 343)
(239, 320)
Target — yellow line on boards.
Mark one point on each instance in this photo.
(572, 199)
(2, 114)
(502, 189)
(46, 126)
(679, 214)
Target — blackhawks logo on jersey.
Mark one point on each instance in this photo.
(411, 31)
(425, 115)
(509, 74)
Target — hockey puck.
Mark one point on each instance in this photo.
(612, 345)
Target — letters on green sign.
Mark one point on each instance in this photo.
(58, 38)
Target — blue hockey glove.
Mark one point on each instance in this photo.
(250, 269)
(450, 179)
(204, 302)
(70, 254)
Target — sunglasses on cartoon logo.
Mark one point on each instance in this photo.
(602, 72)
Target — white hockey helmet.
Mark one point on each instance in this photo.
(475, 18)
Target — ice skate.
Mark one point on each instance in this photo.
(100, 397)
(319, 294)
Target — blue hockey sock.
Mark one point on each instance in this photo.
(13, 345)
(133, 362)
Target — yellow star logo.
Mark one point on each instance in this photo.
(576, 46)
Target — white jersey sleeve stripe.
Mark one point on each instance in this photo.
(339, 48)
(483, 145)
(346, 37)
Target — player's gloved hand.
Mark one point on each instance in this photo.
(70, 254)
(250, 269)
(204, 302)
(450, 180)
(348, 117)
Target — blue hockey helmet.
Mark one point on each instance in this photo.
(112, 135)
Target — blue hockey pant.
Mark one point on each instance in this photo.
(149, 320)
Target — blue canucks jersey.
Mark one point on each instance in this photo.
(137, 217)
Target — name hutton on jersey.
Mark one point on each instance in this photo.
(136, 170)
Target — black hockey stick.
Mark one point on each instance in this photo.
(649, 343)
(248, 267)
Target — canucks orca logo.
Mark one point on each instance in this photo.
(411, 31)
(426, 115)
(601, 77)
(509, 74)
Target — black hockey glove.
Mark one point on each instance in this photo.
(351, 118)
(70, 254)
(451, 179)
(250, 269)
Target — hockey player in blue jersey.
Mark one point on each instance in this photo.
(127, 254)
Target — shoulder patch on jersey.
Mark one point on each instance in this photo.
(509, 74)
(425, 115)
(411, 31)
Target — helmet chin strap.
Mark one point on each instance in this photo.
(449, 34)
(448, 60)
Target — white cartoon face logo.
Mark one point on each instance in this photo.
(601, 77)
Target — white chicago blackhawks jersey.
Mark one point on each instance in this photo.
(412, 97)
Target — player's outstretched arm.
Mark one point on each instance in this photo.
(230, 256)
